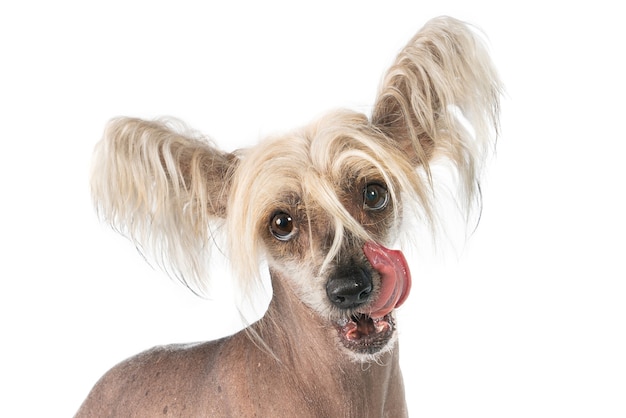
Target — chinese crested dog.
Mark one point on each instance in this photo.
(320, 207)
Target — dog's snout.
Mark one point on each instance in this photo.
(349, 288)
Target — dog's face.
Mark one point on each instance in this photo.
(320, 204)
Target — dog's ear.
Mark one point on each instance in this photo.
(162, 186)
(444, 72)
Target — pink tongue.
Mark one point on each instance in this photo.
(395, 278)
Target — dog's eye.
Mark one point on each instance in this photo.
(375, 197)
(282, 226)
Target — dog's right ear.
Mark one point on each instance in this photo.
(162, 186)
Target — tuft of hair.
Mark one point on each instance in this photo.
(164, 187)
(440, 100)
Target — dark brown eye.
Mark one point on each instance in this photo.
(375, 197)
(282, 226)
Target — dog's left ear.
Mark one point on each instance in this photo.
(444, 72)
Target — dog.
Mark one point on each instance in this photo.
(321, 207)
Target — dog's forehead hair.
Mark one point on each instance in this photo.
(318, 176)
(328, 161)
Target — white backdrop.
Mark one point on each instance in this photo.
(529, 320)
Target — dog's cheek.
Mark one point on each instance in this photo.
(379, 224)
(284, 250)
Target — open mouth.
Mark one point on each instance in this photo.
(372, 327)
(364, 334)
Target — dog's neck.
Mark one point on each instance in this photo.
(295, 332)
(308, 345)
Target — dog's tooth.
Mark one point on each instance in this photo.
(380, 325)
(342, 322)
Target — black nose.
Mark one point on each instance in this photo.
(349, 288)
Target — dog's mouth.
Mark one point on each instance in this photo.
(371, 328)
(364, 334)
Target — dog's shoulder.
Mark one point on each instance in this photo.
(152, 381)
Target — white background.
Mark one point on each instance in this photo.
(529, 320)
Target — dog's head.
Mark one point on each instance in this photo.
(320, 204)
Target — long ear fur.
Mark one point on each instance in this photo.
(163, 189)
(444, 72)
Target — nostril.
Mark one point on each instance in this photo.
(365, 293)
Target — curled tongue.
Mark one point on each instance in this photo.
(395, 278)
